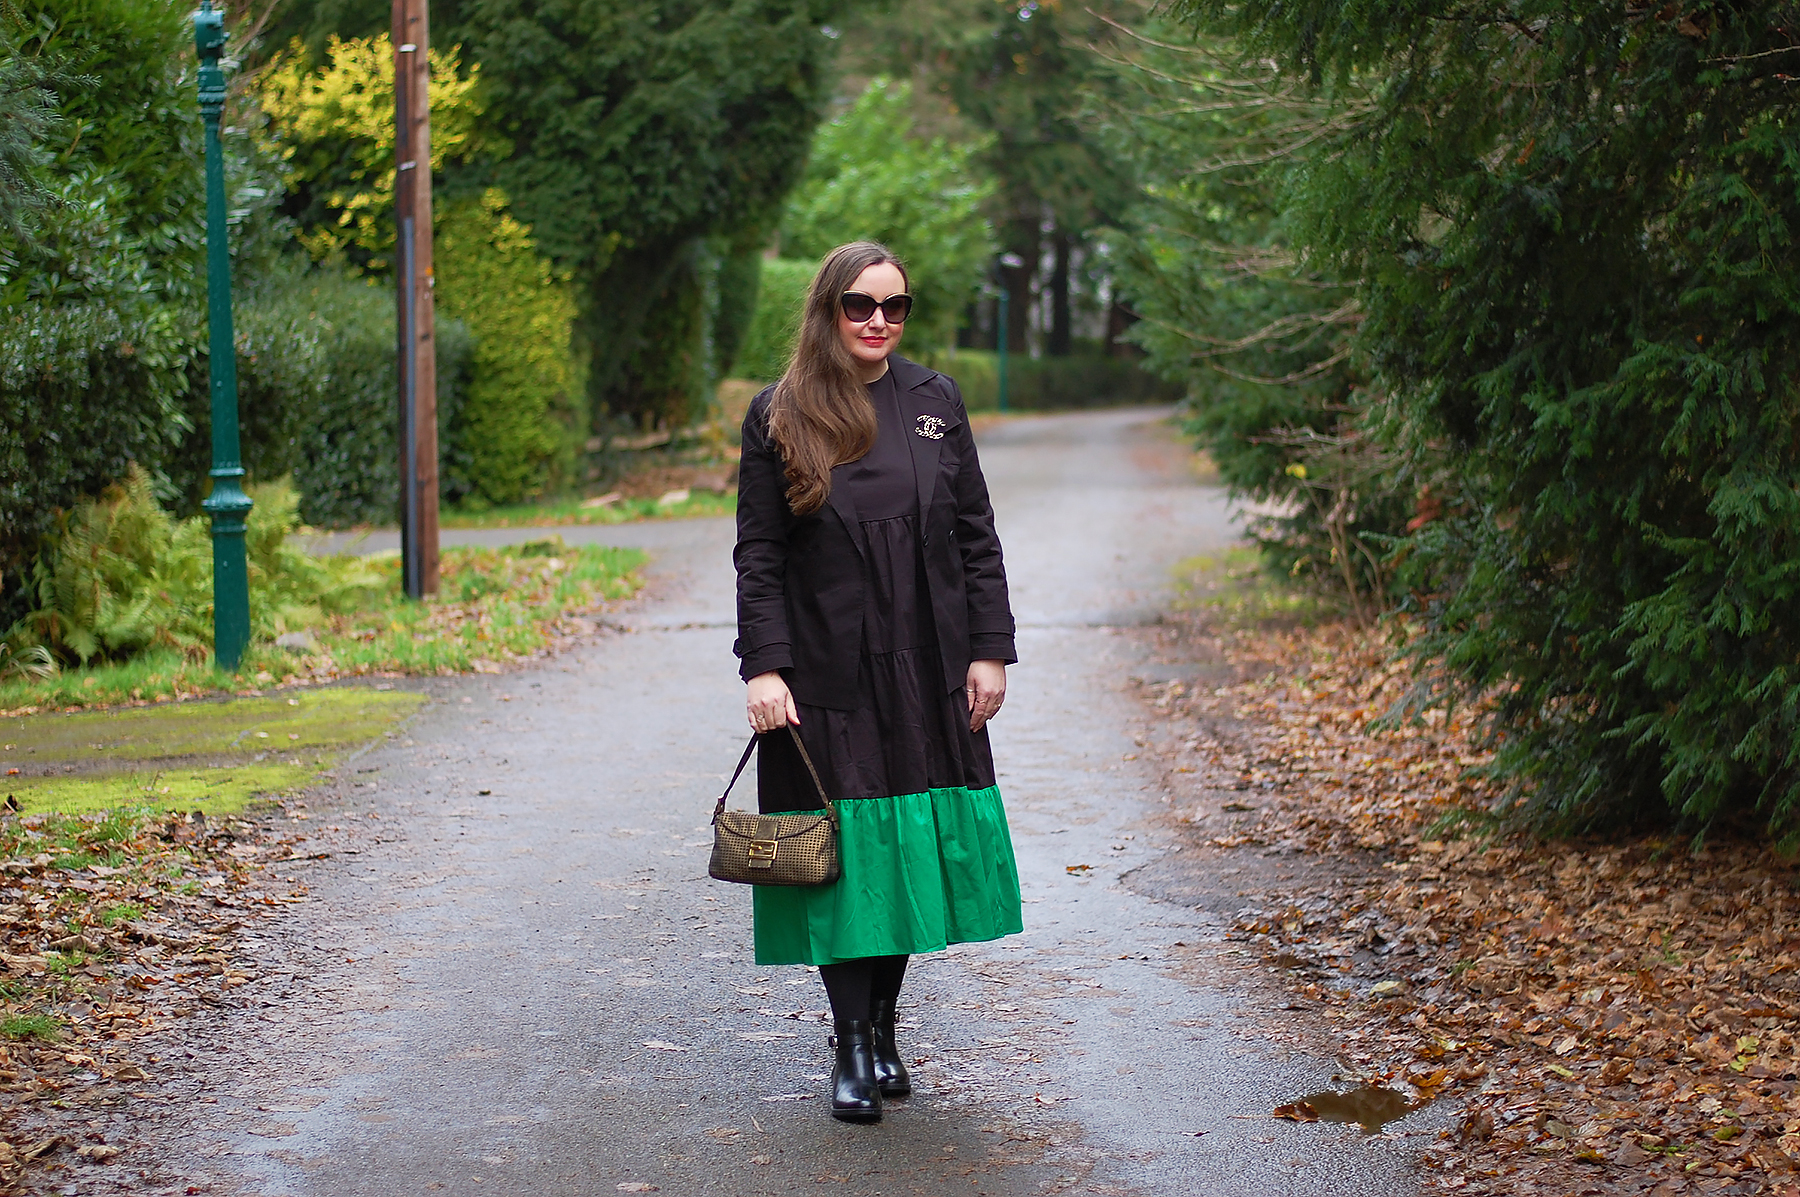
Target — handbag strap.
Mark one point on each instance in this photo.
(830, 806)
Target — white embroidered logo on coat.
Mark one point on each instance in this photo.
(931, 428)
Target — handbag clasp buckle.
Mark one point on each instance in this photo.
(762, 854)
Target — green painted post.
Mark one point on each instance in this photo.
(228, 504)
(1000, 341)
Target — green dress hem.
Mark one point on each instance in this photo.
(920, 872)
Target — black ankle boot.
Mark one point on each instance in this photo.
(855, 1093)
(890, 1070)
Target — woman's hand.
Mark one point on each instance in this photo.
(985, 690)
(771, 704)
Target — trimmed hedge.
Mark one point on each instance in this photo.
(85, 390)
(1050, 383)
(780, 294)
(318, 394)
(515, 433)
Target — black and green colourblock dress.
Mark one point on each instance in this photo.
(927, 858)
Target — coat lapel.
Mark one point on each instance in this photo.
(841, 502)
(924, 415)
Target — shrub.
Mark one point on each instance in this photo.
(514, 433)
(780, 295)
(335, 129)
(127, 103)
(318, 394)
(85, 390)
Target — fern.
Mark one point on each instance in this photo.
(121, 577)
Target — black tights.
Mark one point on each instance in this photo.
(853, 984)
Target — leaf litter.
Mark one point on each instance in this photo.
(1606, 1017)
(113, 926)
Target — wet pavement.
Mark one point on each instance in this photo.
(522, 981)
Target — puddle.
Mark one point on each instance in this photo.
(1370, 1107)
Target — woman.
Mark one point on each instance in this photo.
(873, 617)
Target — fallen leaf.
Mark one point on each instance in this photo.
(1478, 1126)
(1299, 1111)
(661, 1046)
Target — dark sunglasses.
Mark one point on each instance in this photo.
(859, 307)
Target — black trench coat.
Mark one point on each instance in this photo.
(801, 578)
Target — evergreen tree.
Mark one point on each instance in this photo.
(1574, 226)
(1262, 340)
(650, 142)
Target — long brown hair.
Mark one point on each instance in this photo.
(820, 415)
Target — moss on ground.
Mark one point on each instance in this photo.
(213, 756)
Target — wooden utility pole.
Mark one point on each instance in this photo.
(412, 280)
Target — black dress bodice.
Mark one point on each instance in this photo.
(881, 481)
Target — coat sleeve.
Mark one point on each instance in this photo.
(991, 628)
(764, 522)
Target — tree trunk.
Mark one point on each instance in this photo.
(1118, 319)
(625, 325)
(1060, 336)
(1025, 240)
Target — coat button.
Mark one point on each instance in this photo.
(927, 540)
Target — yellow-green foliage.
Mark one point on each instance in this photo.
(515, 435)
(335, 130)
(122, 577)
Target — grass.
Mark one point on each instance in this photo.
(494, 605)
(214, 756)
(698, 504)
(1235, 586)
(30, 1026)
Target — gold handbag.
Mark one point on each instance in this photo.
(775, 849)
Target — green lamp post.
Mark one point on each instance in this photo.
(228, 504)
(1000, 329)
(1003, 319)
